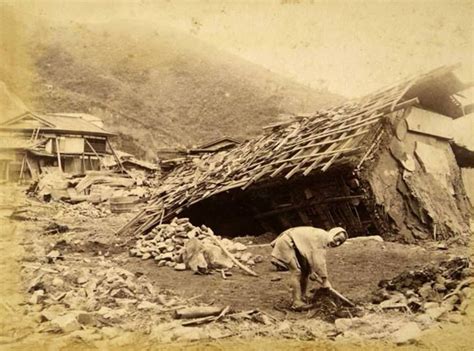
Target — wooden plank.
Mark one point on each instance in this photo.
(333, 140)
(367, 122)
(311, 155)
(30, 169)
(117, 159)
(372, 146)
(335, 156)
(22, 168)
(59, 155)
(320, 158)
(95, 153)
(324, 153)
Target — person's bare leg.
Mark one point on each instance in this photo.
(304, 283)
(295, 284)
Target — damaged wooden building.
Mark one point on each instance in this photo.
(34, 142)
(380, 164)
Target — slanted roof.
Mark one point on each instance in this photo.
(341, 136)
(55, 122)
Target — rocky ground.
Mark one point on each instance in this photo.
(70, 282)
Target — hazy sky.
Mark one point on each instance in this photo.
(353, 46)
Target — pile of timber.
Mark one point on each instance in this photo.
(166, 244)
(345, 135)
(433, 290)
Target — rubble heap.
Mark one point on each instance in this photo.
(166, 244)
(86, 288)
(434, 290)
(94, 187)
(71, 294)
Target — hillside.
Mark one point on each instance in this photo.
(159, 88)
(10, 104)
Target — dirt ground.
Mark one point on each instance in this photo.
(355, 269)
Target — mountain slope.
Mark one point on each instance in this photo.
(157, 88)
(10, 104)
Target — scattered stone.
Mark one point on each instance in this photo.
(450, 303)
(82, 280)
(58, 282)
(245, 257)
(51, 313)
(36, 297)
(53, 255)
(258, 258)
(180, 267)
(86, 318)
(426, 291)
(463, 306)
(454, 318)
(409, 333)
(442, 246)
(239, 247)
(436, 312)
(66, 323)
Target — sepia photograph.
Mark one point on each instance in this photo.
(236, 175)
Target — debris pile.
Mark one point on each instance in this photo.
(434, 290)
(182, 245)
(95, 186)
(86, 288)
(69, 295)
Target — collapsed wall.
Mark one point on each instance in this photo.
(417, 185)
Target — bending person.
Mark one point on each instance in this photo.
(302, 250)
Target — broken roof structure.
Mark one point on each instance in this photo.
(313, 170)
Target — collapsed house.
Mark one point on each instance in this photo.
(221, 144)
(376, 165)
(171, 158)
(33, 142)
(123, 160)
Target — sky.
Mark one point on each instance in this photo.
(350, 47)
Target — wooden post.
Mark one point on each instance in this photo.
(83, 163)
(117, 159)
(22, 169)
(58, 153)
(95, 153)
(30, 169)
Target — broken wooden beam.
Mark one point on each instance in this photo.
(197, 312)
(233, 259)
